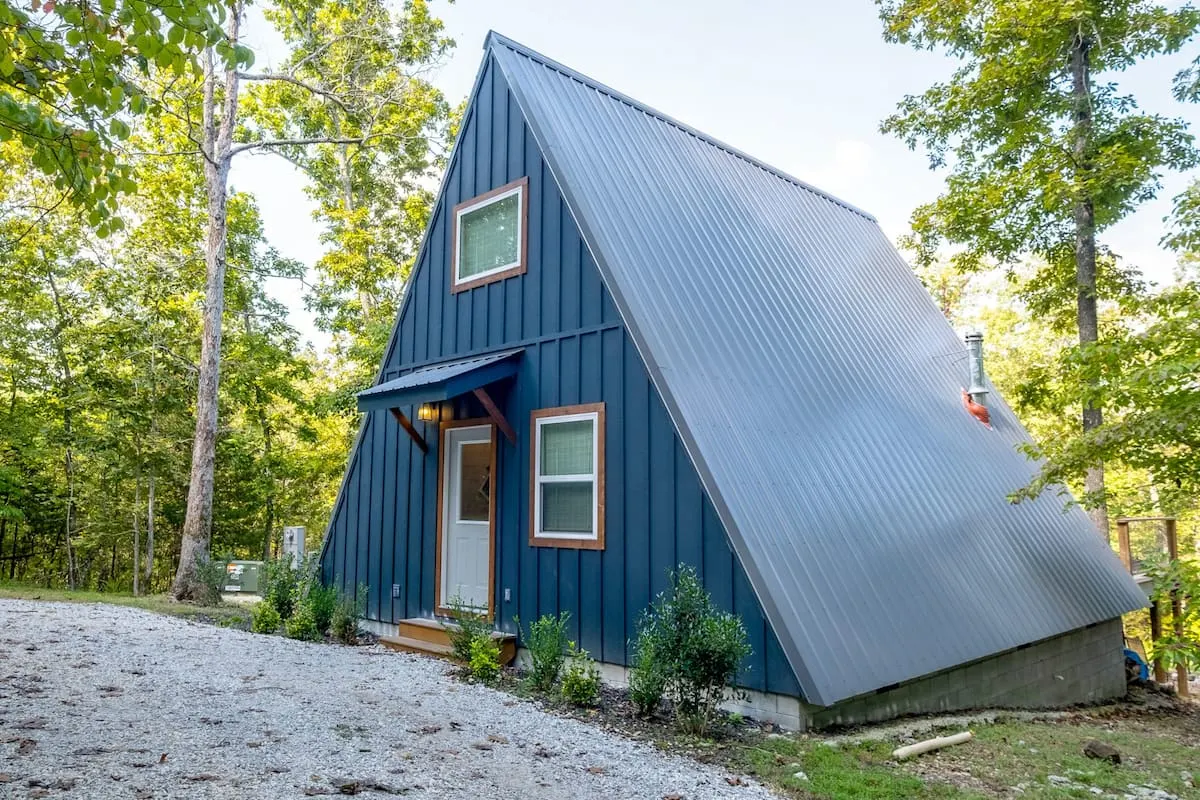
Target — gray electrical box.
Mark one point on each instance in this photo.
(293, 543)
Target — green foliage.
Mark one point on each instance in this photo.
(484, 659)
(1144, 372)
(372, 204)
(581, 679)
(301, 625)
(307, 589)
(322, 601)
(547, 645)
(1179, 578)
(470, 626)
(210, 573)
(71, 79)
(266, 618)
(280, 585)
(647, 677)
(344, 624)
(1005, 123)
(692, 647)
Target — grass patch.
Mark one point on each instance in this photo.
(1160, 749)
(853, 771)
(227, 616)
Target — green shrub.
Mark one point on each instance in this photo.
(647, 683)
(210, 573)
(266, 618)
(281, 585)
(471, 626)
(346, 611)
(692, 647)
(301, 625)
(547, 644)
(484, 660)
(319, 598)
(581, 679)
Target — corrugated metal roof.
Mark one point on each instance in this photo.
(431, 379)
(817, 389)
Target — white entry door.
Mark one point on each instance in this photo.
(467, 508)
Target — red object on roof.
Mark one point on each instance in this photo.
(976, 410)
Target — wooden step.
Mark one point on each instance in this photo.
(426, 630)
(407, 645)
(430, 636)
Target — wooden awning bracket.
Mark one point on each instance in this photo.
(409, 429)
(493, 411)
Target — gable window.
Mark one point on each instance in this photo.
(567, 477)
(489, 236)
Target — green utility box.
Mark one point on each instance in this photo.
(242, 576)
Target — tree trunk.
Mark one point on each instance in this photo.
(150, 530)
(269, 527)
(218, 137)
(12, 565)
(137, 531)
(1087, 317)
(153, 440)
(66, 386)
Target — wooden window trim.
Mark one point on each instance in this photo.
(457, 286)
(445, 427)
(596, 543)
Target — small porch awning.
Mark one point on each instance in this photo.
(440, 381)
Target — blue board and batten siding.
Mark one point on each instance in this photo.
(577, 350)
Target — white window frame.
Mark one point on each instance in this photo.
(475, 205)
(540, 480)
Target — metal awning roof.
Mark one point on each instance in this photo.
(440, 381)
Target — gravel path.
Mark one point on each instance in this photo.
(100, 701)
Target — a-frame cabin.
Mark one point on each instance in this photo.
(626, 346)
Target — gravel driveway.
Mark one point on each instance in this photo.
(100, 701)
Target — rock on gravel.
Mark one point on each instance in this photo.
(100, 701)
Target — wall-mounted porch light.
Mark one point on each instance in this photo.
(425, 412)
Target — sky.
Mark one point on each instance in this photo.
(801, 85)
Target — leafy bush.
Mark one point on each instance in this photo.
(346, 611)
(547, 644)
(484, 660)
(692, 647)
(281, 585)
(471, 626)
(266, 618)
(581, 679)
(647, 681)
(210, 573)
(301, 625)
(1181, 577)
(319, 598)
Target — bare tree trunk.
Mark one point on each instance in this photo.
(12, 565)
(150, 530)
(137, 531)
(217, 142)
(67, 386)
(152, 439)
(1087, 317)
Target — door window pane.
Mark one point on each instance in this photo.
(567, 507)
(488, 237)
(567, 447)
(475, 487)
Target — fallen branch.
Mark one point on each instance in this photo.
(901, 753)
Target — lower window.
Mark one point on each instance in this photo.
(567, 491)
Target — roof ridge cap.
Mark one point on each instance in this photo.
(493, 38)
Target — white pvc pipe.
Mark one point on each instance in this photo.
(901, 753)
